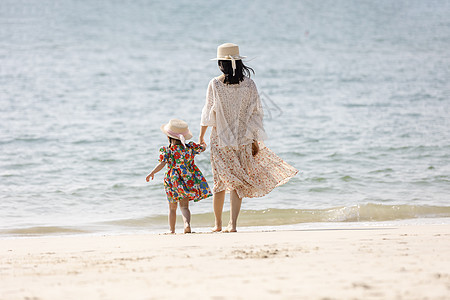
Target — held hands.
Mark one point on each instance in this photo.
(202, 143)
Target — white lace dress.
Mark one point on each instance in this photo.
(236, 115)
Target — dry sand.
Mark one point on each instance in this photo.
(401, 262)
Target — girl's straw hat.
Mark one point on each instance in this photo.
(229, 51)
(177, 129)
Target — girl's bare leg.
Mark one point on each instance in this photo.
(186, 213)
(235, 208)
(218, 200)
(172, 216)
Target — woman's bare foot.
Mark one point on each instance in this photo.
(187, 229)
(230, 228)
(216, 229)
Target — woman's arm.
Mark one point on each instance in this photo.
(255, 124)
(201, 139)
(155, 170)
(208, 114)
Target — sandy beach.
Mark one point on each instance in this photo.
(399, 262)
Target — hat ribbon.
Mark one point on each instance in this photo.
(179, 135)
(233, 61)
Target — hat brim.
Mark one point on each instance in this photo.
(187, 136)
(223, 58)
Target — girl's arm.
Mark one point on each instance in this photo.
(155, 170)
(202, 136)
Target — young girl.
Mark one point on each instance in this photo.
(183, 180)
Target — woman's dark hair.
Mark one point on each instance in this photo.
(241, 71)
(173, 141)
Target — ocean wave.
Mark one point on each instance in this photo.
(41, 230)
(357, 213)
(369, 212)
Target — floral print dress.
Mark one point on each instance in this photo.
(183, 178)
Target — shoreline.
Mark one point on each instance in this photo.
(70, 231)
(388, 262)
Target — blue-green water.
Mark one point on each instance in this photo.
(356, 97)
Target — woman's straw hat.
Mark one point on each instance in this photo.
(229, 51)
(177, 129)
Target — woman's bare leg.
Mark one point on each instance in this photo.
(186, 213)
(218, 200)
(172, 216)
(235, 208)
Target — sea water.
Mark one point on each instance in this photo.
(356, 96)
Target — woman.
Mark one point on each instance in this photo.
(241, 164)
